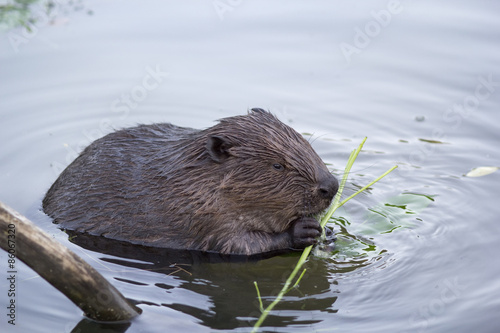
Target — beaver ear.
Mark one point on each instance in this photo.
(218, 148)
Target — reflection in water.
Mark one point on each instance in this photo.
(220, 278)
(155, 259)
(90, 326)
(233, 300)
(228, 300)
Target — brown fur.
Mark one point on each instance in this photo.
(219, 189)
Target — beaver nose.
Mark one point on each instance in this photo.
(328, 186)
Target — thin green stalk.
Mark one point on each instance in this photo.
(366, 187)
(261, 307)
(298, 280)
(335, 204)
(305, 254)
(284, 290)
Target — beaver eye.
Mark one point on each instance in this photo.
(278, 167)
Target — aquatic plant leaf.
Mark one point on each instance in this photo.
(396, 213)
(432, 141)
(353, 247)
(481, 171)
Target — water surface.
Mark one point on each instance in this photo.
(416, 253)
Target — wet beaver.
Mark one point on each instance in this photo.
(250, 184)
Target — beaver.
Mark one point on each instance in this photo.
(250, 184)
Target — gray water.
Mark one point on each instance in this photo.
(416, 253)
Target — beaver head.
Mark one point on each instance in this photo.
(268, 174)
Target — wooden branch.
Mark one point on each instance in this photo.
(63, 269)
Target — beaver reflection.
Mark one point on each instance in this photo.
(248, 185)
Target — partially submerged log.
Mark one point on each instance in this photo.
(63, 269)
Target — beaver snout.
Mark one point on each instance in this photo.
(328, 186)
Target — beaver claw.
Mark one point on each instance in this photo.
(305, 232)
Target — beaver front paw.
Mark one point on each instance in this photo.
(305, 232)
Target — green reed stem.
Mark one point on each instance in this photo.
(336, 201)
(305, 254)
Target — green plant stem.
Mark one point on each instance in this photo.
(335, 204)
(364, 188)
(298, 280)
(305, 254)
(285, 289)
(261, 307)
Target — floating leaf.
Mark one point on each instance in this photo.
(481, 171)
(397, 212)
(433, 141)
(352, 246)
